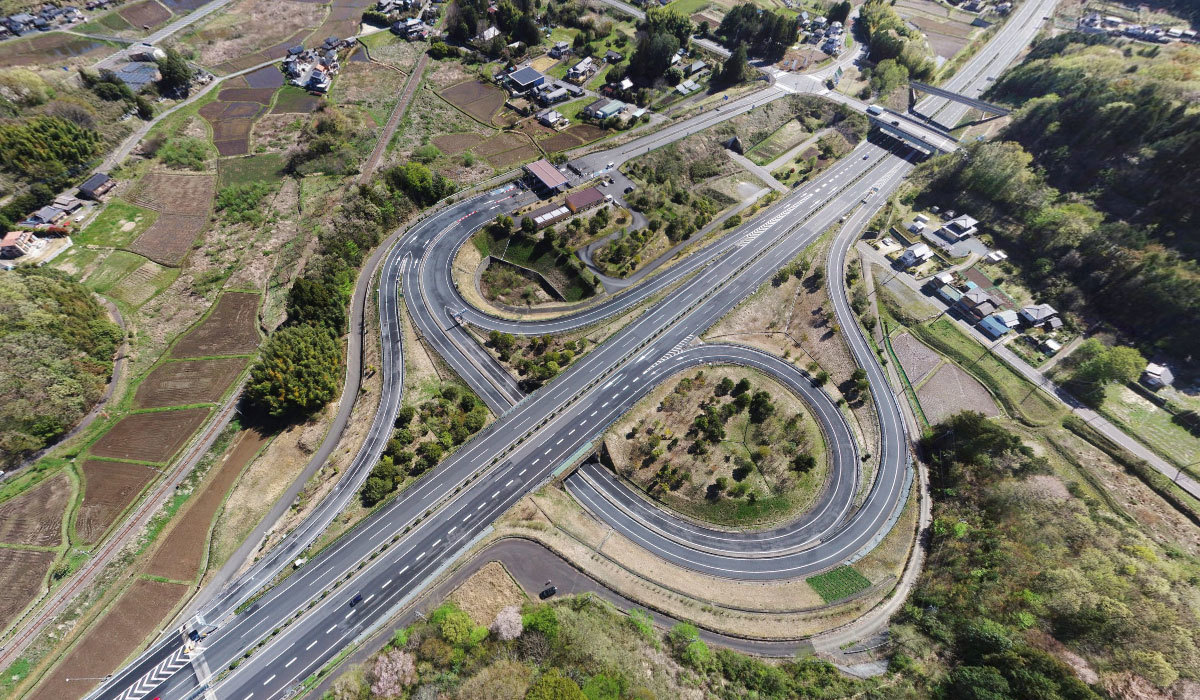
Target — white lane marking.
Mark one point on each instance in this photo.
(548, 451)
(348, 614)
(537, 460)
(604, 405)
(571, 433)
(467, 518)
(623, 389)
(403, 570)
(480, 506)
(521, 472)
(290, 662)
(269, 679)
(420, 556)
(368, 600)
(331, 628)
(451, 530)
(509, 483)
(559, 441)
(386, 583)
(592, 414)
(311, 644)
(248, 696)
(496, 494)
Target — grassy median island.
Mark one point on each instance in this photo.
(540, 252)
(727, 445)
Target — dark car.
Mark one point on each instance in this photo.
(357, 599)
(628, 189)
(548, 593)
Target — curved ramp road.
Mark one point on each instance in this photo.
(400, 548)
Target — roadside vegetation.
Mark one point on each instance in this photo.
(547, 252)
(578, 648)
(56, 356)
(424, 434)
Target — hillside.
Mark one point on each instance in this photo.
(56, 348)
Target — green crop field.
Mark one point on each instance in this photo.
(838, 583)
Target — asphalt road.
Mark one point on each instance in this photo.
(400, 548)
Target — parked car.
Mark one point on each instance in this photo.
(548, 593)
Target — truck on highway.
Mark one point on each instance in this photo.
(874, 110)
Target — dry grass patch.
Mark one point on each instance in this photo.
(249, 26)
(486, 592)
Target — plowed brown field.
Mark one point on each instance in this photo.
(21, 574)
(231, 329)
(109, 488)
(195, 381)
(35, 516)
(150, 437)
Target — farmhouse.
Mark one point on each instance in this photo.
(46, 216)
(977, 303)
(18, 243)
(545, 177)
(138, 75)
(612, 57)
(96, 186)
(560, 49)
(552, 95)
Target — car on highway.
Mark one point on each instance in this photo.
(866, 156)
(548, 592)
(356, 599)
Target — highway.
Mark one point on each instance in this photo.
(400, 548)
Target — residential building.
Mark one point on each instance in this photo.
(552, 95)
(977, 303)
(550, 118)
(915, 254)
(67, 204)
(949, 294)
(603, 108)
(993, 326)
(1038, 314)
(96, 186)
(46, 216)
(1051, 346)
(996, 256)
(560, 49)
(687, 87)
(583, 70)
(612, 57)
(695, 68)
(18, 243)
(1008, 317)
(959, 227)
(1157, 376)
(487, 35)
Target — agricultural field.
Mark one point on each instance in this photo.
(22, 572)
(838, 583)
(950, 390)
(184, 202)
(477, 99)
(54, 48)
(150, 437)
(1139, 416)
(294, 100)
(948, 30)
(915, 357)
(119, 224)
(109, 488)
(725, 445)
(142, 607)
(179, 382)
(35, 516)
(394, 51)
(147, 14)
(182, 552)
(221, 42)
(231, 328)
(369, 86)
(232, 116)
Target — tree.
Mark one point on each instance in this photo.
(723, 387)
(543, 620)
(652, 58)
(761, 407)
(664, 20)
(553, 685)
(298, 373)
(1107, 365)
(314, 302)
(456, 627)
(393, 671)
(804, 462)
(507, 625)
(735, 68)
(839, 12)
(528, 226)
(176, 73)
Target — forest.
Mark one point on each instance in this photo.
(764, 33)
(56, 356)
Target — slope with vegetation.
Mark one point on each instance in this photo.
(56, 350)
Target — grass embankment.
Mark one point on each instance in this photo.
(562, 271)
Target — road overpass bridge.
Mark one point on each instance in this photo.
(975, 103)
(921, 136)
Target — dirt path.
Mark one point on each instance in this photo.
(393, 121)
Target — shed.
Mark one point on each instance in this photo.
(96, 186)
(525, 79)
(1157, 376)
(584, 199)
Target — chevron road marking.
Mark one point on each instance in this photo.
(157, 675)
